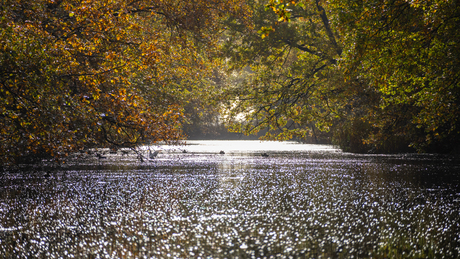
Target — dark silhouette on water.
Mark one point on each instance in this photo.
(153, 154)
(222, 152)
(100, 156)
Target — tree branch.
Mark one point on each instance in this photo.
(327, 26)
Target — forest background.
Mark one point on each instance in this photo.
(371, 76)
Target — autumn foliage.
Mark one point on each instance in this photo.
(79, 73)
(408, 53)
(375, 75)
(370, 76)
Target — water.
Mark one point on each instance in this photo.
(302, 201)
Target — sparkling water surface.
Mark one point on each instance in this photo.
(258, 200)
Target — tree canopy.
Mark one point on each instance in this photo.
(380, 76)
(371, 75)
(407, 51)
(108, 73)
(292, 68)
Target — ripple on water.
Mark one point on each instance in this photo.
(311, 203)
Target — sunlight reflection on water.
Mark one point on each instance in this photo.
(253, 146)
(300, 201)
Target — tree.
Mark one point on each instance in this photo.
(408, 52)
(107, 73)
(291, 71)
(383, 76)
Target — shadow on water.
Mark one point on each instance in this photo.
(314, 201)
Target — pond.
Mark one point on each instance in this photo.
(258, 200)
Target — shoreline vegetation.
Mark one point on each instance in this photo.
(371, 76)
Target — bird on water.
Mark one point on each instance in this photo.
(100, 156)
(153, 154)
